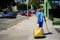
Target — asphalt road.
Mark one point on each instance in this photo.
(8, 22)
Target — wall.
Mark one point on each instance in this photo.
(45, 1)
(47, 6)
(14, 8)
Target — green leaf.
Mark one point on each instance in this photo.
(35, 3)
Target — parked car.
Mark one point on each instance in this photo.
(33, 12)
(23, 12)
(12, 14)
(28, 13)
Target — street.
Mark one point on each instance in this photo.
(20, 18)
(24, 31)
(8, 22)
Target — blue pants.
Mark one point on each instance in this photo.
(40, 24)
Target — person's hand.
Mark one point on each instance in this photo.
(45, 20)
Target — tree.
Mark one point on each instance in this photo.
(35, 3)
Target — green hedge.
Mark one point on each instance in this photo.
(56, 21)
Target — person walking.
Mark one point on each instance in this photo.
(40, 17)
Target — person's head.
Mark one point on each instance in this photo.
(39, 9)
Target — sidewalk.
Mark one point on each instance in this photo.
(57, 28)
(24, 31)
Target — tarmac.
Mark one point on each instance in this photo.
(24, 31)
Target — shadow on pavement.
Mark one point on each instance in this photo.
(40, 37)
(57, 29)
(48, 33)
(3, 29)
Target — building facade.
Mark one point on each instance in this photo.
(50, 4)
(47, 6)
(7, 4)
(52, 10)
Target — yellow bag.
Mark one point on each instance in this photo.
(38, 32)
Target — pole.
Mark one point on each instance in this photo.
(47, 27)
(27, 9)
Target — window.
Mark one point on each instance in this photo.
(59, 2)
(55, 4)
